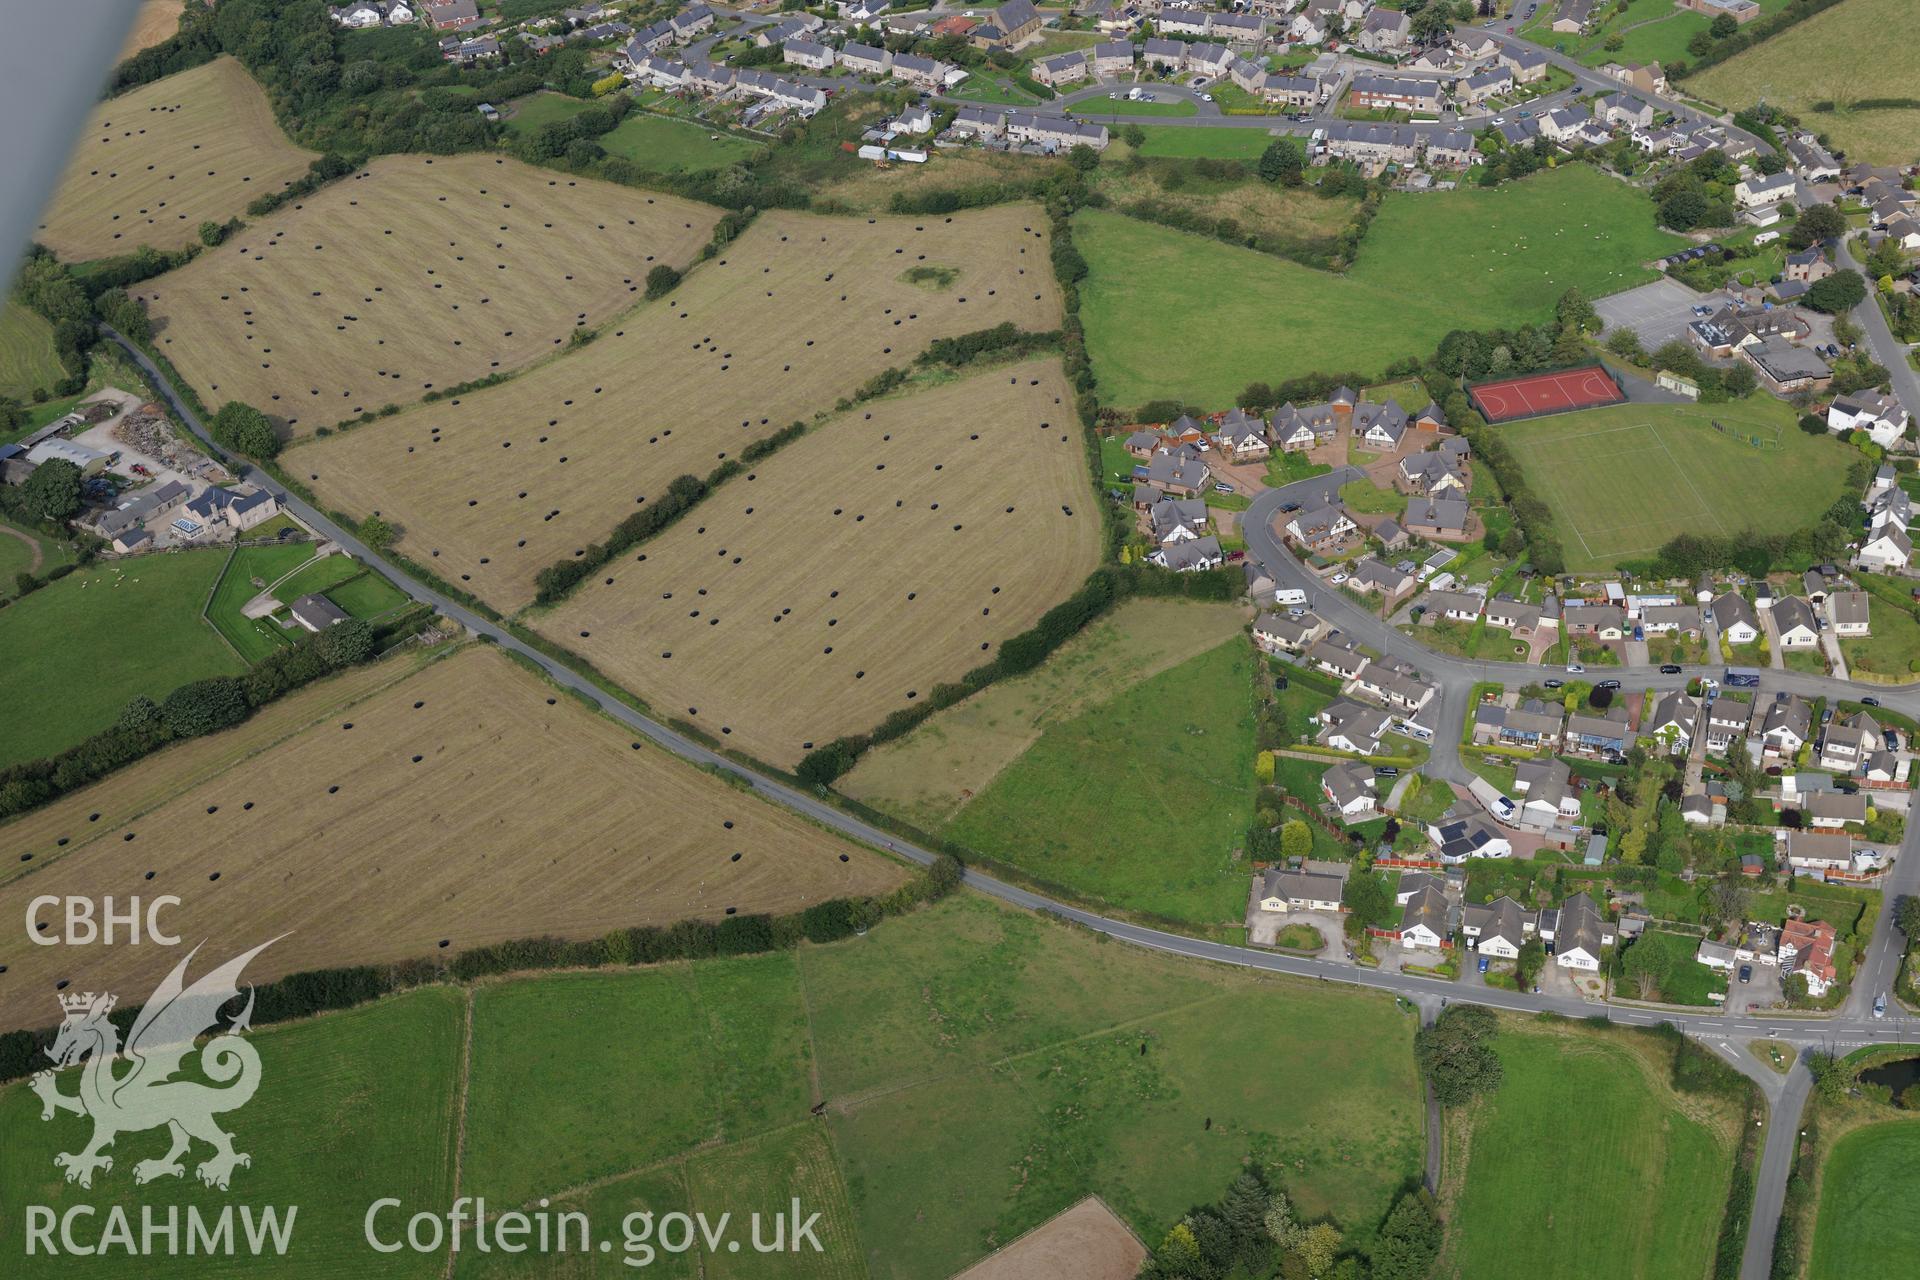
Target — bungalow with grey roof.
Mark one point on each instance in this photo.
(316, 612)
(1834, 810)
(1281, 633)
(1423, 920)
(1348, 787)
(1534, 724)
(1352, 726)
(1398, 687)
(1735, 619)
(1579, 933)
(1319, 890)
(1375, 575)
(1598, 733)
(1602, 621)
(1195, 555)
(1515, 617)
(1847, 610)
(1666, 619)
(1794, 623)
(1459, 606)
(1499, 928)
(1461, 839)
(1337, 658)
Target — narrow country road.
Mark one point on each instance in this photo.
(1842, 1033)
(1887, 349)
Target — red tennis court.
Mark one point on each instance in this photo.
(1540, 393)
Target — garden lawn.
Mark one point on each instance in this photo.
(1654, 1165)
(79, 648)
(1842, 56)
(1687, 981)
(1204, 144)
(28, 360)
(255, 638)
(1138, 803)
(674, 146)
(1623, 480)
(1169, 313)
(1894, 647)
(1865, 1230)
(346, 582)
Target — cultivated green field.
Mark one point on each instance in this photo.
(28, 360)
(981, 1069)
(1624, 479)
(79, 648)
(1842, 56)
(1173, 314)
(1218, 144)
(675, 146)
(1653, 1165)
(351, 1107)
(1865, 1229)
(1139, 802)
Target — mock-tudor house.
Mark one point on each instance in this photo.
(1817, 852)
(1735, 619)
(1441, 518)
(1348, 787)
(1668, 619)
(1477, 88)
(1177, 520)
(1431, 473)
(1675, 719)
(1320, 527)
(1849, 740)
(1178, 470)
(1601, 621)
(1385, 31)
(1193, 556)
(1065, 69)
(1783, 726)
(1579, 933)
(865, 59)
(1881, 417)
(1834, 810)
(1527, 63)
(1315, 890)
(1847, 611)
(1457, 606)
(1279, 633)
(1534, 725)
(1498, 929)
(1335, 657)
(1346, 725)
(1242, 436)
(1395, 93)
(1374, 575)
(1423, 919)
(1806, 947)
(1113, 57)
(1547, 786)
(1795, 624)
(1513, 616)
(1379, 426)
(1602, 733)
(1298, 429)
(1459, 839)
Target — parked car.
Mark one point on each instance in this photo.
(1387, 771)
(1483, 964)
(1669, 668)
(1880, 1006)
(1574, 668)
(1608, 684)
(1554, 682)
(1223, 488)
(1289, 506)
(1869, 701)
(1338, 578)
(1746, 973)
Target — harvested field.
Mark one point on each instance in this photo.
(465, 803)
(1087, 1242)
(155, 21)
(491, 487)
(928, 775)
(155, 163)
(886, 551)
(417, 272)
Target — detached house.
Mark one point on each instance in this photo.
(1387, 31)
(1348, 787)
(1315, 890)
(1794, 622)
(1806, 947)
(1352, 726)
(1848, 612)
(1547, 787)
(1849, 741)
(1534, 725)
(1674, 721)
(1578, 932)
(1279, 633)
(1336, 658)
(1602, 621)
(1194, 556)
(1440, 518)
(1818, 852)
(1783, 726)
(1423, 920)
(1735, 619)
(1598, 733)
(1178, 471)
(1320, 527)
(1499, 929)
(1461, 839)
(1881, 417)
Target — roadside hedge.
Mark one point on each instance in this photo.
(301, 995)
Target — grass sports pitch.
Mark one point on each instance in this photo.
(154, 163)
(417, 272)
(888, 550)
(1623, 480)
(491, 487)
(469, 802)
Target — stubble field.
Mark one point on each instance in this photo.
(491, 487)
(416, 272)
(467, 803)
(886, 551)
(153, 164)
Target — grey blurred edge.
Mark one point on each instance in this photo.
(53, 63)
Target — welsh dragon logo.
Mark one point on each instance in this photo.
(145, 1094)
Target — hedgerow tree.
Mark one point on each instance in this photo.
(245, 430)
(53, 490)
(204, 706)
(1840, 292)
(1455, 1056)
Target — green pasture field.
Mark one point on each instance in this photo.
(658, 1191)
(24, 550)
(1173, 314)
(1654, 31)
(81, 647)
(254, 638)
(1654, 1164)
(1139, 802)
(1198, 144)
(544, 108)
(1863, 1230)
(27, 356)
(351, 1108)
(1624, 479)
(675, 146)
(1841, 56)
(768, 1175)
